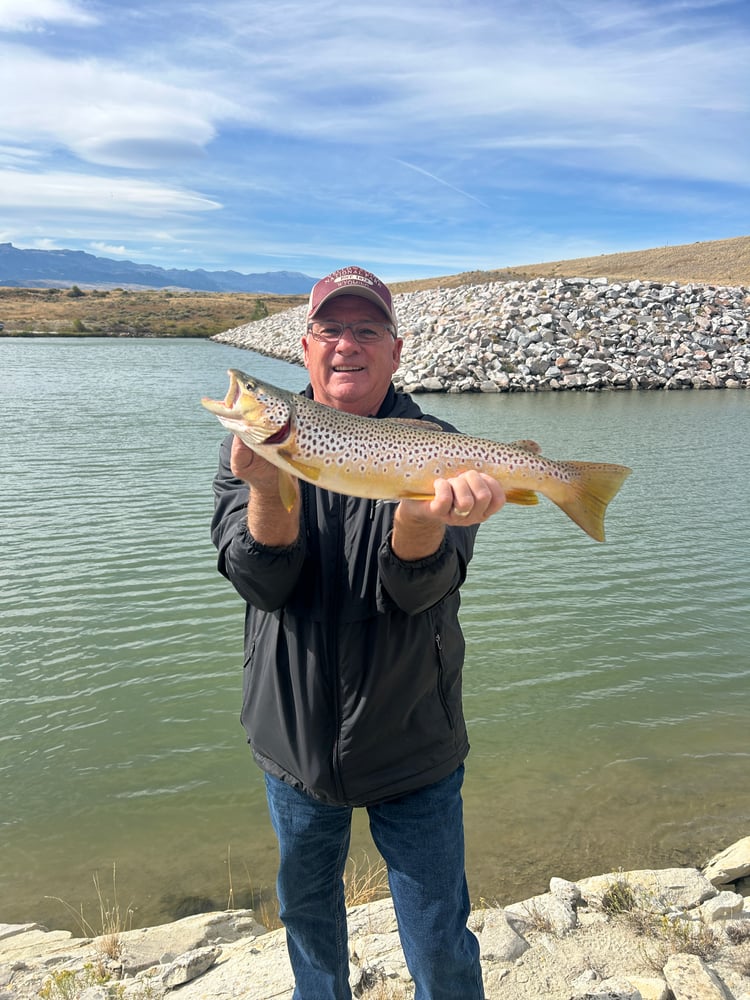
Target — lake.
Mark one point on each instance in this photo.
(606, 686)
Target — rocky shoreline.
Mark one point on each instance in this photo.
(674, 934)
(552, 334)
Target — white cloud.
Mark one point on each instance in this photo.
(90, 194)
(108, 250)
(103, 113)
(23, 15)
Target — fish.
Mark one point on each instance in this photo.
(393, 459)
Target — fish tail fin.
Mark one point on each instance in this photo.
(585, 499)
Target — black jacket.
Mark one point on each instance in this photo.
(353, 657)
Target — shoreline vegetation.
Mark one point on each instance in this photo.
(120, 312)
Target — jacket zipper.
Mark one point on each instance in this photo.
(441, 675)
(333, 645)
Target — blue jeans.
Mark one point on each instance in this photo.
(421, 839)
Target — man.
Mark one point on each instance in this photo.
(353, 662)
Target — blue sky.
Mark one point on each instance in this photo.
(414, 138)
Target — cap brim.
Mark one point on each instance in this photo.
(363, 293)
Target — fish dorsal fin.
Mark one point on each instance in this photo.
(526, 445)
(422, 425)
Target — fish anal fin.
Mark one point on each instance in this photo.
(415, 495)
(524, 498)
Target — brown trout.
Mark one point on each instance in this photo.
(396, 459)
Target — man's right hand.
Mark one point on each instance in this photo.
(252, 469)
(268, 521)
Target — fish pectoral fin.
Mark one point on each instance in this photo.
(249, 434)
(527, 445)
(287, 489)
(308, 471)
(524, 498)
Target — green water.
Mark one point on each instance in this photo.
(606, 686)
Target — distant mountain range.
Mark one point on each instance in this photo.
(61, 268)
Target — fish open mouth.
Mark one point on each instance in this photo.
(225, 407)
(247, 417)
(233, 392)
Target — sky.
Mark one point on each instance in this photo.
(415, 138)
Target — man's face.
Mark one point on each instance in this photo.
(348, 375)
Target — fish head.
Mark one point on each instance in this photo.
(258, 413)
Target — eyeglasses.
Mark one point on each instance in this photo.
(367, 332)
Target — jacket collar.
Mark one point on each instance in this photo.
(395, 404)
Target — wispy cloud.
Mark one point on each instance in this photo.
(440, 180)
(91, 194)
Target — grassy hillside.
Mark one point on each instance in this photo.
(202, 314)
(719, 262)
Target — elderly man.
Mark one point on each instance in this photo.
(353, 664)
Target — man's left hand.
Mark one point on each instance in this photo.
(462, 500)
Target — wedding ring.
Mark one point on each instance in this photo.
(461, 513)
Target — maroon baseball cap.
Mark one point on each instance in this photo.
(352, 281)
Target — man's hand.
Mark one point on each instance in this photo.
(418, 525)
(253, 469)
(268, 520)
(467, 499)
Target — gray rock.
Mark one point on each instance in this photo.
(726, 906)
(730, 864)
(689, 979)
(498, 940)
(190, 965)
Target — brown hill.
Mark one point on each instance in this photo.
(718, 262)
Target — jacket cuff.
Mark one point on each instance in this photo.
(426, 564)
(255, 548)
(417, 584)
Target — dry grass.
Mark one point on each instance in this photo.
(619, 898)
(677, 935)
(117, 311)
(364, 882)
(113, 919)
(382, 988)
